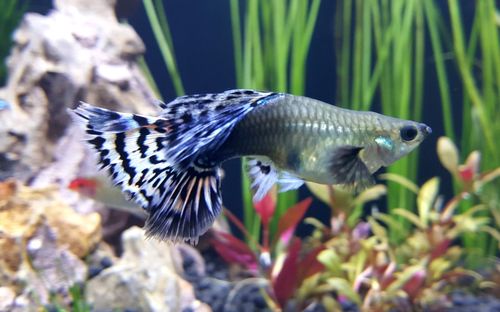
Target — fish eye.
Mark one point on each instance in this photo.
(408, 133)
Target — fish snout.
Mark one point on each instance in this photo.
(425, 129)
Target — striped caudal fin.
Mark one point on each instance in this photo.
(182, 202)
(190, 201)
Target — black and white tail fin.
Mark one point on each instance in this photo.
(189, 202)
(164, 164)
(182, 202)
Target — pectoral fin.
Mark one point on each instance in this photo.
(347, 168)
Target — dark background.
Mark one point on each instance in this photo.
(201, 32)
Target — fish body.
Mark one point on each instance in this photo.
(170, 164)
(300, 135)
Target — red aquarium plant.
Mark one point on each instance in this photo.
(475, 189)
(364, 267)
(283, 259)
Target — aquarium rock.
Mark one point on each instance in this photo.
(7, 297)
(42, 241)
(145, 278)
(79, 51)
(24, 209)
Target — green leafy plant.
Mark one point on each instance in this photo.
(377, 273)
(77, 304)
(344, 204)
(478, 189)
(380, 55)
(479, 65)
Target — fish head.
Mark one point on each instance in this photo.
(396, 140)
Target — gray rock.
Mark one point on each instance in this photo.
(7, 298)
(55, 269)
(45, 270)
(145, 278)
(79, 51)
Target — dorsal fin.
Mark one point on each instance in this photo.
(200, 123)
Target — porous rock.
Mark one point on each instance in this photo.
(77, 52)
(25, 209)
(42, 240)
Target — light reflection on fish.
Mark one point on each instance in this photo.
(170, 164)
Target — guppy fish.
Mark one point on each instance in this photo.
(170, 164)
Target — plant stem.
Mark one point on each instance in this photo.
(162, 36)
(468, 81)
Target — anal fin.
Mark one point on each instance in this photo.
(288, 182)
(263, 175)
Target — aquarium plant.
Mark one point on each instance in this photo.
(358, 264)
(11, 12)
(382, 57)
(271, 44)
(283, 259)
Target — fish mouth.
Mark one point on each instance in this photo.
(425, 130)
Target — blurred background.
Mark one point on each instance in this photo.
(437, 62)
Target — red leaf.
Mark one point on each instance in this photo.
(414, 285)
(466, 173)
(309, 265)
(233, 250)
(265, 209)
(440, 249)
(285, 283)
(288, 222)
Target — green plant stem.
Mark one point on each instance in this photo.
(270, 54)
(345, 60)
(162, 37)
(467, 78)
(236, 32)
(431, 16)
(11, 13)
